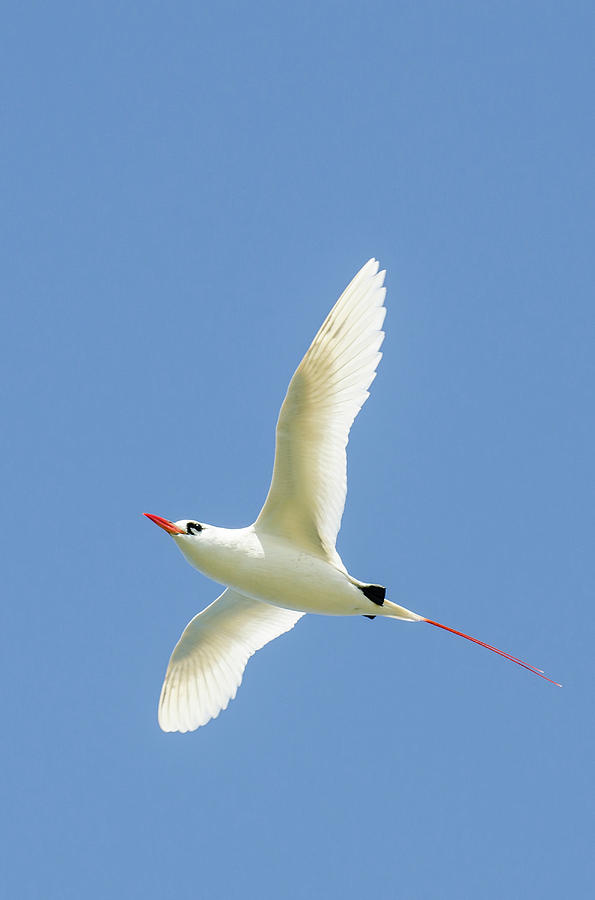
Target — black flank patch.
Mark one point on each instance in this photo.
(374, 592)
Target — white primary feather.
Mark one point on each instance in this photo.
(208, 662)
(307, 494)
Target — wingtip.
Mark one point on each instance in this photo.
(371, 266)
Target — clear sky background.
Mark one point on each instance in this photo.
(187, 188)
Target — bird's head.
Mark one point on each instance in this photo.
(187, 527)
(191, 537)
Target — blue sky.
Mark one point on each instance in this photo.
(187, 189)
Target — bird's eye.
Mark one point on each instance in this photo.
(193, 528)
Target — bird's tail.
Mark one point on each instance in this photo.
(399, 612)
(394, 611)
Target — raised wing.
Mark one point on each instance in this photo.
(208, 662)
(307, 495)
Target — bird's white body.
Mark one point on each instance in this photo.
(286, 564)
(271, 569)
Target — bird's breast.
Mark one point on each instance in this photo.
(268, 568)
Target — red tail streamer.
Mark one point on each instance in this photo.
(513, 659)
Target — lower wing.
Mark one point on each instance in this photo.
(208, 662)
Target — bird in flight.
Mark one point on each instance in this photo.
(286, 564)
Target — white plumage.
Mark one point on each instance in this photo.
(307, 494)
(206, 667)
(286, 564)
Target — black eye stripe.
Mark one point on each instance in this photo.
(193, 528)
